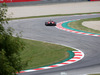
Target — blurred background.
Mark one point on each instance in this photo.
(36, 2)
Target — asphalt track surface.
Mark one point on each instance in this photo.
(36, 30)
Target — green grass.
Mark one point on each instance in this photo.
(78, 25)
(94, 74)
(39, 54)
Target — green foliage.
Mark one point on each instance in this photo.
(10, 47)
(3, 10)
(9, 53)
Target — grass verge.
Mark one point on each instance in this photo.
(78, 25)
(94, 74)
(39, 54)
(51, 15)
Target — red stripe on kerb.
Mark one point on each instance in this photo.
(71, 30)
(53, 66)
(76, 32)
(78, 54)
(38, 69)
(72, 60)
(98, 35)
(76, 58)
(21, 72)
(83, 33)
(64, 63)
(91, 34)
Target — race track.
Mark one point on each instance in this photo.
(36, 30)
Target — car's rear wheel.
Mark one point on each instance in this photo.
(46, 23)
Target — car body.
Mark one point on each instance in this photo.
(50, 23)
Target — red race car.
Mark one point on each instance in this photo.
(50, 23)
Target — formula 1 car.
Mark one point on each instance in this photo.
(50, 23)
